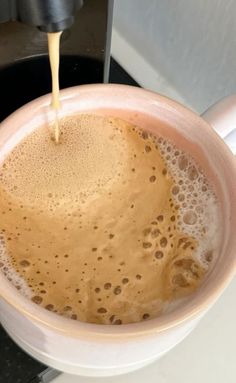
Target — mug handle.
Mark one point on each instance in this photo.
(222, 117)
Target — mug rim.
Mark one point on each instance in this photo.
(159, 324)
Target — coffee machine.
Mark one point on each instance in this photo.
(24, 64)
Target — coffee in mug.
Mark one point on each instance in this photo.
(112, 225)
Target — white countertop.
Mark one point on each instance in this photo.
(207, 355)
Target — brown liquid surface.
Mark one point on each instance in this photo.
(91, 223)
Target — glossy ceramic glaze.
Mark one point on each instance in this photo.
(99, 350)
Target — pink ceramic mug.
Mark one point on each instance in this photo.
(100, 350)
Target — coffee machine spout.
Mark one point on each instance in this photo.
(48, 16)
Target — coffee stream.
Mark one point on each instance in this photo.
(54, 58)
(112, 226)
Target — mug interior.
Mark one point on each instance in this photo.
(164, 117)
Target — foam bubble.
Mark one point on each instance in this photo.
(8, 269)
(204, 203)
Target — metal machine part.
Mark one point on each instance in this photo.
(45, 376)
(48, 16)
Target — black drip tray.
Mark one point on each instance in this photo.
(16, 366)
(28, 79)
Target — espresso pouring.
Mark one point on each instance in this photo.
(54, 58)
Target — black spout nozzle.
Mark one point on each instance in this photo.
(47, 15)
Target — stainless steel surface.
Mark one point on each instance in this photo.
(48, 16)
